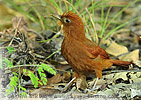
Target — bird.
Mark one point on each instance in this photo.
(84, 56)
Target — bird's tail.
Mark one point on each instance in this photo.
(120, 63)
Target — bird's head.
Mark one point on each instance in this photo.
(72, 24)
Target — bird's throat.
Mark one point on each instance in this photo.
(74, 33)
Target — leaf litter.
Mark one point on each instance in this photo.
(29, 50)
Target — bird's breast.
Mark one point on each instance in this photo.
(72, 54)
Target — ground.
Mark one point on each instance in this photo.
(31, 63)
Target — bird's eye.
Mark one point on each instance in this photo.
(67, 20)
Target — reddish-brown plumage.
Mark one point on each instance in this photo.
(83, 55)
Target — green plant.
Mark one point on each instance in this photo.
(8, 63)
(16, 79)
(105, 21)
(41, 69)
(13, 83)
(75, 6)
(11, 49)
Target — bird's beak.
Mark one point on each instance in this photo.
(59, 19)
(57, 16)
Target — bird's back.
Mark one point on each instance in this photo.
(95, 50)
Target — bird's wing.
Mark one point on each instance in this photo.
(96, 50)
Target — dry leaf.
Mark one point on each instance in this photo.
(107, 92)
(64, 67)
(135, 93)
(63, 62)
(138, 62)
(132, 56)
(114, 48)
(100, 82)
(55, 79)
(66, 77)
(134, 77)
(121, 75)
(111, 78)
(43, 92)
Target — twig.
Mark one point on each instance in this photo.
(1, 33)
(117, 71)
(96, 37)
(16, 30)
(51, 54)
(71, 6)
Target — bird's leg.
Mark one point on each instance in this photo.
(81, 83)
(98, 75)
(65, 88)
(93, 88)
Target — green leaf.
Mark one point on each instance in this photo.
(24, 94)
(8, 91)
(47, 68)
(33, 78)
(12, 88)
(24, 70)
(8, 63)
(13, 81)
(55, 5)
(24, 89)
(40, 83)
(10, 49)
(20, 86)
(44, 81)
(14, 73)
(42, 75)
(40, 69)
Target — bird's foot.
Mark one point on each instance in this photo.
(94, 86)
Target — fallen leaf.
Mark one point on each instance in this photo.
(107, 92)
(121, 75)
(100, 82)
(64, 67)
(121, 89)
(63, 62)
(135, 93)
(43, 92)
(132, 56)
(134, 77)
(55, 79)
(138, 62)
(66, 77)
(114, 48)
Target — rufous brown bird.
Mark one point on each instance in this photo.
(84, 56)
